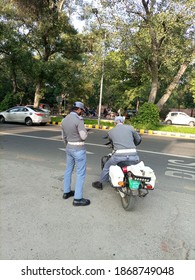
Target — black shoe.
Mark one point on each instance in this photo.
(97, 185)
(67, 195)
(81, 202)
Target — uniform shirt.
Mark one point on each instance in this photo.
(73, 130)
(124, 137)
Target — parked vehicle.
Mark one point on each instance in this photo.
(179, 118)
(25, 114)
(45, 107)
(129, 113)
(130, 181)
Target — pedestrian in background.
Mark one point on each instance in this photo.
(74, 134)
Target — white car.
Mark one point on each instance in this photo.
(25, 114)
(179, 118)
(45, 107)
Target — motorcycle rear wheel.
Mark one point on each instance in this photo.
(129, 200)
(104, 159)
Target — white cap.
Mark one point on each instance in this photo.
(80, 105)
(119, 119)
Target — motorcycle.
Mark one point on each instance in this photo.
(131, 181)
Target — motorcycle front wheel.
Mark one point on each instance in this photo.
(128, 200)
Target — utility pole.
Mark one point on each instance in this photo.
(95, 11)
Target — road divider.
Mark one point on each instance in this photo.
(141, 131)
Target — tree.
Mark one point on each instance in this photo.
(172, 85)
(48, 34)
(157, 35)
(15, 59)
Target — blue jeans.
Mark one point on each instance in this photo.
(78, 159)
(104, 176)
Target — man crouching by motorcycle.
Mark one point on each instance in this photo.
(124, 139)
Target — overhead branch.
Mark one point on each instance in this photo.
(146, 6)
(130, 11)
(60, 5)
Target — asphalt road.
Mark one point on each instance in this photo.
(36, 223)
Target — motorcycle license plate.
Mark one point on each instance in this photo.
(134, 184)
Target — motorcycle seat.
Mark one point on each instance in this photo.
(126, 163)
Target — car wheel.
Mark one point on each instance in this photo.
(2, 119)
(28, 121)
(43, 123)
(191, 124)
(169, 122)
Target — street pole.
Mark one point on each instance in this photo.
(95, 11)
(101, 91)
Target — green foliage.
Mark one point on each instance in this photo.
(192, 84)
(157, 36)
(10, 100)
(147, 117)
(189, 101)
(39, 46)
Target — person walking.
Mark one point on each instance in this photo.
(124, 139)
(74, 134)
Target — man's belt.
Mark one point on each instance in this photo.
(76, 143)
(125, 151)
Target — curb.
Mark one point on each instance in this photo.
(102, 127)
(141, 131)
(164, 133)
(87, 125)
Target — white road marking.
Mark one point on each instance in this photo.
(190, 188)
(92, 144)
(180, 169)
(63, 149)
(182, 165)
(165, 154)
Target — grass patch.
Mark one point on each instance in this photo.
(95, 122)
(180, 129)
(56, 119)
(86, 121)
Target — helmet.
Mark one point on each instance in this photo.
(119, 119)
(80, 105)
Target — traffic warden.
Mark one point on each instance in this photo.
(74, 134)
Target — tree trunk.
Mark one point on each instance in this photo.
(14, 79)
(172, 86)
(154, 87)
(38, 95)
(14, 83)
(153, 63)
(153, 69)
(153, 66)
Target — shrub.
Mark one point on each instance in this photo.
(147, 117)
(9, 100)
